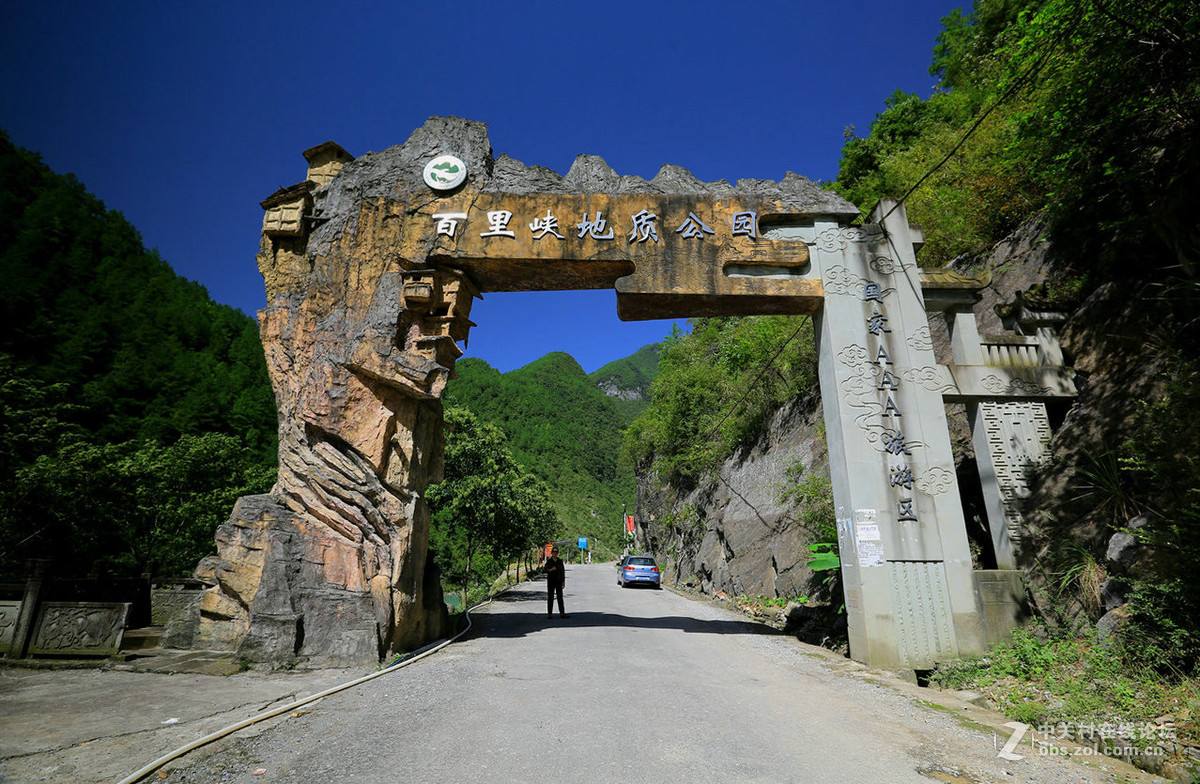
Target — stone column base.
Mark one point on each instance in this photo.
(287, 588)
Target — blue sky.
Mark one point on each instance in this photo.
(184, 116)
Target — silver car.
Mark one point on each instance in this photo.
(638, 570)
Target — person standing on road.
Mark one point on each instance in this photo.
(556, 578)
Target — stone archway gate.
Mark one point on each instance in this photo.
(370, 274)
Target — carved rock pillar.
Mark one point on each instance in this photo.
(906, 563)
(1011, 439)
(332, 565)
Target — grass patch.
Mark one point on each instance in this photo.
(760, 602)
(1045, 679)
(965, 721)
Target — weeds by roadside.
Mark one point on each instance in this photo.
(759, 602)
(1047, 679)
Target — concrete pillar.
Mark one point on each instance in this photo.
(965, 343)
(23, 633)
(1049, 349)
(906, 563)
(1010, 438)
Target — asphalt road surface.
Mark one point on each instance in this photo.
(637, 685)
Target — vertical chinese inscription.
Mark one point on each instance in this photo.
(895, 447)
(1018, 438)
(924, 628)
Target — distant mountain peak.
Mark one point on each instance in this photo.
(629, 378)
(562, 428)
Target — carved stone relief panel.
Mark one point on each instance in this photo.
(924, 632)
(1018, 438)
(8, 623)
(88, 628)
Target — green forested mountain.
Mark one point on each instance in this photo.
(564, 429)
(627, 380)
(144, 352)
(133, 408)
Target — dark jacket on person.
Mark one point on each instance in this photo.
(556, 571)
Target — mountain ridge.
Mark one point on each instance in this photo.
(566, 428)
(627, 380)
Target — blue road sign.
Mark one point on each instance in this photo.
(583, 543)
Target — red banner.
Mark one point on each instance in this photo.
(629, 524)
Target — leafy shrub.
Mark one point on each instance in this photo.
(711, 394)
(1161, 459)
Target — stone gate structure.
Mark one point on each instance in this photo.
(371, 266)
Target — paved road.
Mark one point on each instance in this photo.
(635, 686)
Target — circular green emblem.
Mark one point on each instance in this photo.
(445, 172)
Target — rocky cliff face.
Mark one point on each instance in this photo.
(1016, 264)
(1105, 339)
(613, 388)
(1120, 350)
(629, 378)
(733, 534)
(736, 533)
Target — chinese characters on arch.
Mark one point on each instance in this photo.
(644, 226)
(895, 447)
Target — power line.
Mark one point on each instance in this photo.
(1020, 82)
(762, 369)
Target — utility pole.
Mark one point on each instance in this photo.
(624, 533)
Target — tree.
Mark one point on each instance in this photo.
(131, 508)
(133, 408)
(487, 509)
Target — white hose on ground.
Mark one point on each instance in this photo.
(149, 768)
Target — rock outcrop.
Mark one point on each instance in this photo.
(612, 388)
(629, 378)
(736, 533)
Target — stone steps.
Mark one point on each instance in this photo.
(142, 639)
